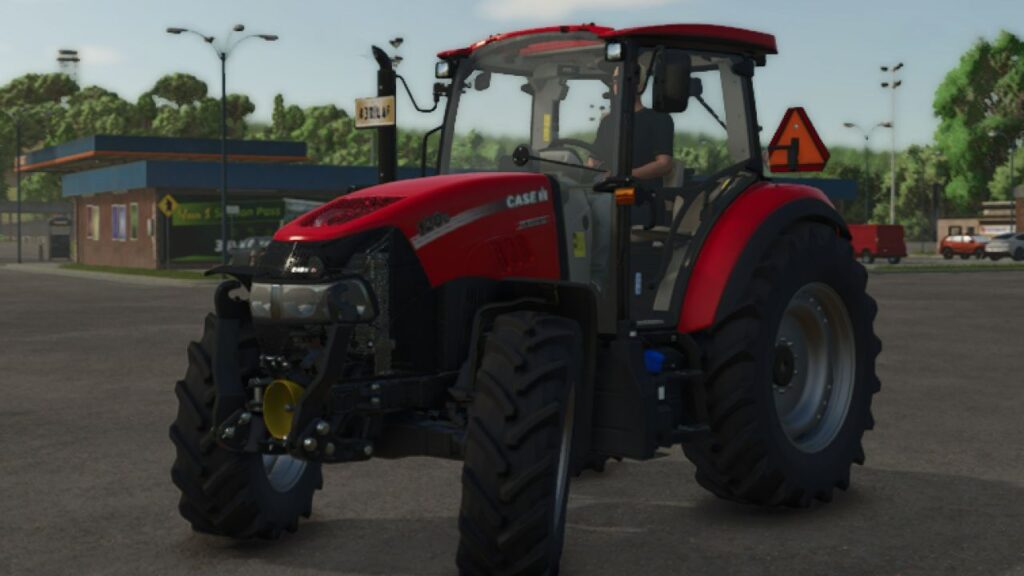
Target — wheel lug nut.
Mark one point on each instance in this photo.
(368, 449)
(329, 448)
(244, 418)
(309, 444)
(228, 433)
(322, 427)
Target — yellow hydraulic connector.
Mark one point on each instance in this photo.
(280, 402)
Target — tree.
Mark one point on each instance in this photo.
(919, 170)
(33, 89)
(285, 120)
(180, 89)
(985, 92)
(1000, 187)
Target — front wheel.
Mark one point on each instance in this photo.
(1018, 254)
(894, 259)
(979, 254)
(515, 479)
(241, 495)
(867, 257)
(947, 253)
(791, 374)
(965, 256)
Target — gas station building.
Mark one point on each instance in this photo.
(150, 202)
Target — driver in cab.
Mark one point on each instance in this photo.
(652, 142)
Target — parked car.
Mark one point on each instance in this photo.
(872, 241)
(1010, 244)
(249, 250)
(965, 245)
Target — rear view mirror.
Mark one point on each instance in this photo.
(671, 80)
(482, 81)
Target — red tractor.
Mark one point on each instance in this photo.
(600, 282)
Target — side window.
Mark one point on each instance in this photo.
(133, 221)
(118, 222)
(93, 224)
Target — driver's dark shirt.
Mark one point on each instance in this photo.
(652, 135)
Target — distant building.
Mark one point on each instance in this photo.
(116, 184)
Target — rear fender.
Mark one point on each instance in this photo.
(739, 239)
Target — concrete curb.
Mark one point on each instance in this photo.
(54, 269)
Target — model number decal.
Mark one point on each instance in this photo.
(527, 198)
(432, 222)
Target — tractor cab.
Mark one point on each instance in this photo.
(646, 132)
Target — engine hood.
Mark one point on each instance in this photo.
(416, 206)
(491, 225)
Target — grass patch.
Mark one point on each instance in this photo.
(174, 274)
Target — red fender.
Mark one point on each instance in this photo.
(725, 244)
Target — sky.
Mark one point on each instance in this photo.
(829, 59)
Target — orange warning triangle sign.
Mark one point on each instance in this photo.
(796, 146)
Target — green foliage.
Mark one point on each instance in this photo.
(984, 93)
(920, 169)
(180, 89)
(1001, 188)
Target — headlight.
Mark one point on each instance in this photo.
(345, 301)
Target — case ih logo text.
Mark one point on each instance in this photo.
(527, 198)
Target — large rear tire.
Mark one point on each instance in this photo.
(227, 493)
(515, 480)
(791, 373)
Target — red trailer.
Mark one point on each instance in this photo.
(872, 241)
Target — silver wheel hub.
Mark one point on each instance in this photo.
(814, 367)
(562, 472)
(283, 471)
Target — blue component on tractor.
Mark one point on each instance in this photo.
(654, 360)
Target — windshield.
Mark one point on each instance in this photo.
(550, 92)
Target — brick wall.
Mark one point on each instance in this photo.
(104, 250)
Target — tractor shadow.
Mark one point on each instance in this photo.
(649, 519)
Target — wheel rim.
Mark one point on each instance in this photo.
(814, 367)
(283, 471)
(562, 477)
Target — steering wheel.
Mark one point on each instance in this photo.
(562, 142)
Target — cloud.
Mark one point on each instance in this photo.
(556, 9)
(99, 55)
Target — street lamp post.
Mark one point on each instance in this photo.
(222, 52)
(893, 85)
(16, 120)
(867, 170)
(1011, 144)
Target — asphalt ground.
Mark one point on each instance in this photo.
(88, 367)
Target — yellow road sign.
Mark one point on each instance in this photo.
(168, 205)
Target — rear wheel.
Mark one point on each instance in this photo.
(1018, 254)
(791, 373)
(240, 495)
(867, 257)
(996, 257)
(515, 479)
(894, 259)
(947, 253)
(979, 253)
(965, 256)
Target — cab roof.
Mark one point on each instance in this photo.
(706, 36)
